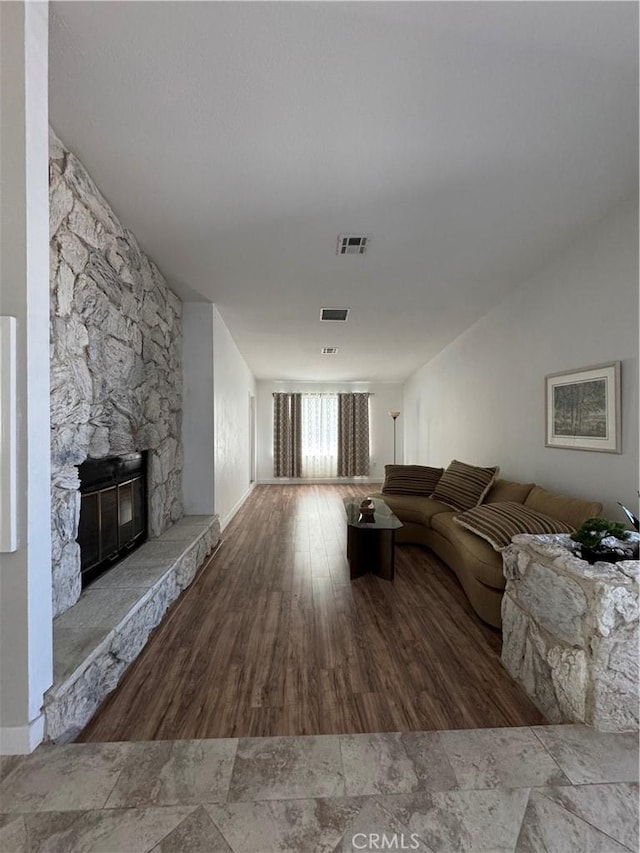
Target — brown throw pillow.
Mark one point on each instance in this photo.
(499, 522)
(410, 479)
(507, 490)
(463, 486)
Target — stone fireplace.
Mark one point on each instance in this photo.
(116, 451)
(116, 377)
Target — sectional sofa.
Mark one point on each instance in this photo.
(476, 562)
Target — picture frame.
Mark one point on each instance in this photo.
(583, 409)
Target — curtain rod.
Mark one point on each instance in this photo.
(323, 393)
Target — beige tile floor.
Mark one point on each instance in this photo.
(553, 789)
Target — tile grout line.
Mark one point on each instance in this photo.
(552, 756)
(304, 799)
(115, 784)
(173, 829)
(584, 819)
(521, 823)
(27, 833)
(215, 823)
(233, 767)
(520, 828)
(441, 741)
(344, 775)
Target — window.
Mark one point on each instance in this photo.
(319, 435)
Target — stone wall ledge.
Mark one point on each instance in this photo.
(563, 552)
(95, 640)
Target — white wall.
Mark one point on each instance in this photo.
(387, 397)
(198, 475)
(482, 399)
(218, 386)
(25, 574)
(233, 385)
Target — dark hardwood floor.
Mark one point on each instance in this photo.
(273, 639)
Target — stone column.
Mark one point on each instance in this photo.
(25, 574)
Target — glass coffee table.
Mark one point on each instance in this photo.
(370, 538)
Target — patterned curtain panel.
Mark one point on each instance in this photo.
(287, 435)
(353, 435)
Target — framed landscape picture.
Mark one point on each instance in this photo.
(583, 408)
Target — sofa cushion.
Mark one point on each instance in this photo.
(410, 479)
(572, 511)
(414, 508)
(463, 486)
(507, 490)
(499, 522)
(475, 555)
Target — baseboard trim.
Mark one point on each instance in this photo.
(309, 481)
(234, 509)
(21, 740)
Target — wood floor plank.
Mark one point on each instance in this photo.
(274, 639)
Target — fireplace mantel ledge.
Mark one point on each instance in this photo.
(95, 640)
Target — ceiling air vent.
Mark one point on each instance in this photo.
(329, 350)
(351, 244)
(340, 314)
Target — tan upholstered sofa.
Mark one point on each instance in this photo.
(476, 563)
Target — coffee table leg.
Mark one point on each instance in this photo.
(357, 552)
(385, 567)
(370, 551)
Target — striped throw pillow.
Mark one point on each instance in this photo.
(463, 486)
(498, 522)
(410, 479)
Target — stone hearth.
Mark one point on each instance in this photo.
(570, 632)
(95, 640)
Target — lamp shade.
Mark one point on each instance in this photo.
(394, 415)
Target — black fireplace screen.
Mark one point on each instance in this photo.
(113, 511)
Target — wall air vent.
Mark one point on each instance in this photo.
(329, 350)
(351, 244)
(339, 314)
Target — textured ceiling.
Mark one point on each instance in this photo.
(471, 141)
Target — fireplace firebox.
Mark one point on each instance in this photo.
(113, 511)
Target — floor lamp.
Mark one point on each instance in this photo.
(395, 416)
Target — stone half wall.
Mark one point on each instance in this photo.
(570, 632)
(116, 373)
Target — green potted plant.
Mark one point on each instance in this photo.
(602, 540)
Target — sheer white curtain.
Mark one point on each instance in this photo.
(319, 435)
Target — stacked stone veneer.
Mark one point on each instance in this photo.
(116, 377)
(570, 632)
